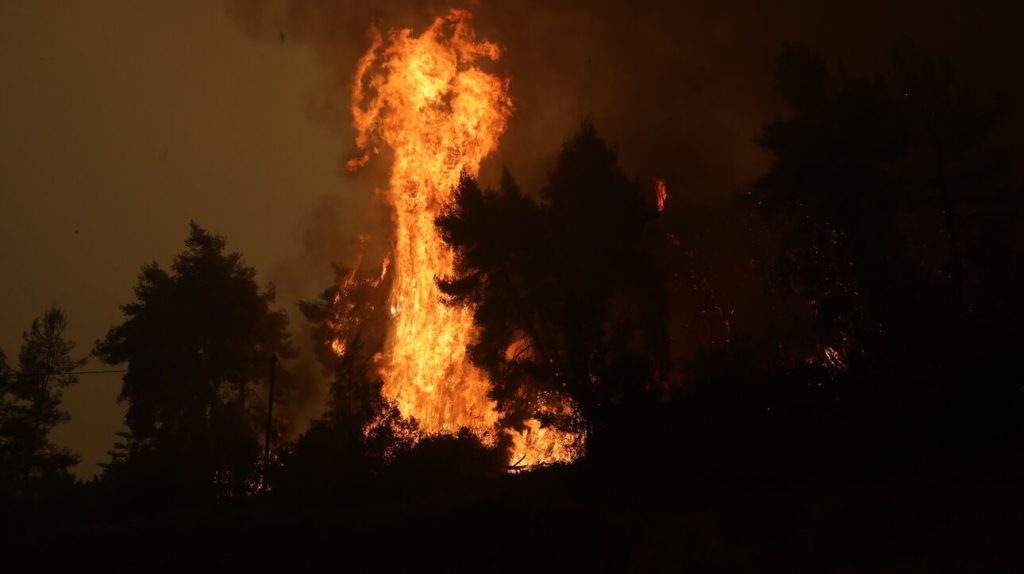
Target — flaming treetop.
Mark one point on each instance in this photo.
(427, 99)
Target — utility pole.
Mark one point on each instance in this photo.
(270, 419)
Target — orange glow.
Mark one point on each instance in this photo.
(427, 99)
(662, 193)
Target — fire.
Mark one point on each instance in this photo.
(427, 99)
(661, 192)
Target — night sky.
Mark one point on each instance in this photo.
(122, 120)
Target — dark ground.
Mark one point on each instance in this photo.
(560, 519)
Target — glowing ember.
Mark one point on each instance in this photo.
(662, 193)
(338, 346)
(426, 98)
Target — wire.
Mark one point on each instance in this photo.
(99, 372)
(56, 373)
(92, 372)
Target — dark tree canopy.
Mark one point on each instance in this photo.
(30, 407)
(197, 342)
(567, 296)
(893, 205)
(842, 394)
(892, 229)
(360, 428)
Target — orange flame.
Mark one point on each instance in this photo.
(427, 99)
(662, 193)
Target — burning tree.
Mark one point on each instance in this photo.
(360, 428)
(566, 293)
(428, 100)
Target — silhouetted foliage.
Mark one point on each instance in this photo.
(197, 342)
(893, 207)
(30, 407)
(360, 429)
(447, 462)
(894, 219)
(353, 307)
(875, 404)
(566, 294)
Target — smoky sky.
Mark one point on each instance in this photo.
(681, 88)
(122, 120)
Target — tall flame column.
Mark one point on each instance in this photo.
(440, 114)
(427, 100)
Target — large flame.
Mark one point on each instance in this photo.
(426, 99)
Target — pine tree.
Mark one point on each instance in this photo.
(196, 342)
(30, 407)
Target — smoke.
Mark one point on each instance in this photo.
(681, 88)
(337, 230)
(646, 84)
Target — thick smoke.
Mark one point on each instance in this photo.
(681, 88)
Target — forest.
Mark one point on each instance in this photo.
(833, 392)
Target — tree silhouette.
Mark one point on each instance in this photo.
(353, 308)
(196, 341)
(890, 199)
(30, 407)
(894, 216)
(567, 296)
(359, 428)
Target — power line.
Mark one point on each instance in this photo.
(96, 372)
(56, 373)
